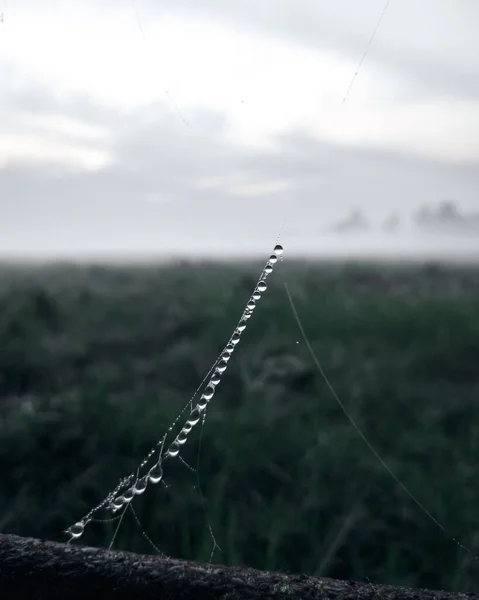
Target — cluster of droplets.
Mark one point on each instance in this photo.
(117, 499)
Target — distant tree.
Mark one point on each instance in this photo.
(447, 212)
(445, 217)
(391, 223)
(355, 221)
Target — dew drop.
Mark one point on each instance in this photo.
(268, 269)
(117, 503)
(230, 347)
(140, 485)
(76, 530)
(247, 314)
(194, 416)
(174, 449)
(202, 403)
(221, 366)
(256, 295)
(155, 473)
(215, 378)
(225, 356)
(182, 436)
(209, 392)
(251, 304)
(128, 494)
(262, 286)
(236, 338)
(241, 325)
(278, 250)
(187, 427)
(273, 259)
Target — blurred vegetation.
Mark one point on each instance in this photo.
(96, 362)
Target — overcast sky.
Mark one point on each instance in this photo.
(204, 126)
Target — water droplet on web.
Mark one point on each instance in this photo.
(194, 416)
(221, 366)
(215, 378)
(225, 356)
(251, 305)
(117, 503)
(256, 295)
(128, 494)
(76, 530)
(262, 286)
(236, 338)
(155, 473)
(230, 348)
(140, 485)
(268, 269)
(174, 449)
(182, 436)
(278, 250)
(273, 259)
(202, 403)
(209, 392)
(241, 325)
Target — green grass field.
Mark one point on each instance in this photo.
(96, 362)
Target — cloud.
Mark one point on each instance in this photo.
(429, 44)
(206, 125)
(264, 70)
(169, 188)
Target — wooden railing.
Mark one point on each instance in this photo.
(44, 570)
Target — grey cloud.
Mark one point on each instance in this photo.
(111, 210)
(321, 26)
(40, 100)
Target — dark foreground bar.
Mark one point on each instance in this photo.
(44, 570)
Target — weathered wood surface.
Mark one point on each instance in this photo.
(44, 570)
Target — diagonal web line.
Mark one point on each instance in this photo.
(361, 434)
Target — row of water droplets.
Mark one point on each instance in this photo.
(117, 499)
